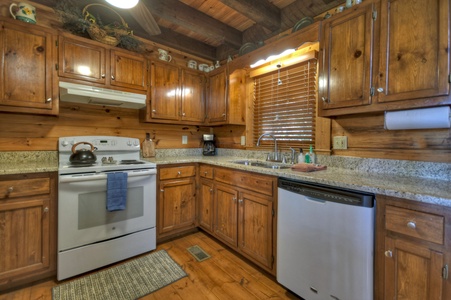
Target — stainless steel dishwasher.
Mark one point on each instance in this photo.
(325, 241)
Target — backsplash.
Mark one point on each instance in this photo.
(342, 164)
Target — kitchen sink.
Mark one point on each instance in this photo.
(261, 164)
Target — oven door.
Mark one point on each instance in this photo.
(82, 215)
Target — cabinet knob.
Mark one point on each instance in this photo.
(411, 225)
(103, 75)
(161, 190)
(380, 90)
(179, 173)
(46, 209)
(10, 189)
(154, 110)
(325, 100)
(48, 100)
(223, 114)
(234, 199)
(388, 253)
(183, 114)
(205, 173)
(211, 190)
(112, 77)
(240, 201)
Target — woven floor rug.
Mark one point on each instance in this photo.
(129, 280)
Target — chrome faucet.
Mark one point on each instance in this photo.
(276, 151)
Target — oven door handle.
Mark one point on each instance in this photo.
(103, 176)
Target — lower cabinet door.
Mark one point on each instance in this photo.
(176, 201)
(412, 272)
(255, 228)
(226, 214)
(205, 208)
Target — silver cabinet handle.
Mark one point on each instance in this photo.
(380, 90)
(388, 253)
(46, 209)
(10, 189)
(205, 173)
(411, 225)
(103, 75)
(240, 201)
(154, 110)
(183, 114)
(234, 199)
(112, 77)
(161, 190)
(179, 173)
(48, 100)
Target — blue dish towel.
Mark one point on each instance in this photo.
(116, 192)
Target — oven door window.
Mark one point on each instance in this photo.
(84, 219)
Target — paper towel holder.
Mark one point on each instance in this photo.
(421, 118)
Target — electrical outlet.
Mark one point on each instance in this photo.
(184, 139)
(340, 142)
(243, 140)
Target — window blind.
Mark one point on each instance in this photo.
(284, 106)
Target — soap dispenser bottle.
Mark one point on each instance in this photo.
(312, 155)
(148, 147)
(301, 156)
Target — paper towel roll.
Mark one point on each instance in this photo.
(423, 118)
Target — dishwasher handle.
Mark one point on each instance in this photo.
(327, 193)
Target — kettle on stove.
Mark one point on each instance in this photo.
(209, 148)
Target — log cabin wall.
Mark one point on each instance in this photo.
(368, 138)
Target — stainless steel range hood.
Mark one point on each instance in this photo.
(71, 92)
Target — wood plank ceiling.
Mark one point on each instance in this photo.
(214, 29)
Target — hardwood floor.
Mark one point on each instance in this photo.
(223, 276)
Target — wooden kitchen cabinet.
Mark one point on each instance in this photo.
(177, 95)
(226, 98)
(85, 60)
(244, 214)
(206, 198)
(176, 201)
(27, 228)
(412, 250)
(28, 56)
(386, 55)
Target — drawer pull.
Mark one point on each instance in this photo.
(234, 199)
(205, 173)
(388, 253)
(46, 209)
(411, 225)
(211, 190)
(10, 189)
(161, 190)
(179, 173)
(240, 201)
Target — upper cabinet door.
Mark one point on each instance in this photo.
(217, 99)
(82, 60)
(28, 83)
(414, 47)
(193, 96)
(164, 91)
(128, 70)
(346, 69)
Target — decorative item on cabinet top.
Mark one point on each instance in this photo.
(81, 21)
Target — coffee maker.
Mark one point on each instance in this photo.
(209, 145)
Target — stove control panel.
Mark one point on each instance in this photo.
(102, 143)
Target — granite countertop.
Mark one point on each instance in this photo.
(427, 190)
(418, 181)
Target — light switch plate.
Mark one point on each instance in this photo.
(340, 142)
(184, 139)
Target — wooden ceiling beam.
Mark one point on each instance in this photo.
(184, 15)
(183, 43)
(262, 12)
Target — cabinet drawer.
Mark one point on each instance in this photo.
(177, 172)
(416, 224)
(24, 187)
(251, 181)
(206, 171)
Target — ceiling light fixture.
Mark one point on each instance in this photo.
(123, 3)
